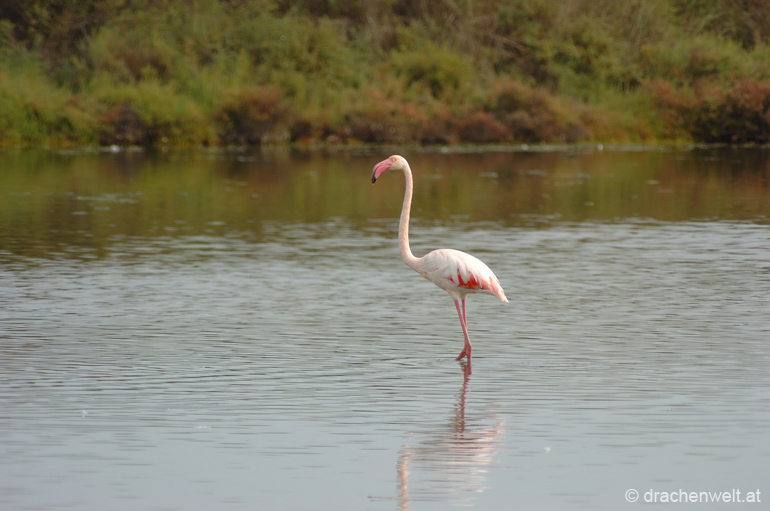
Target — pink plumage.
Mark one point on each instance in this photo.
(460, 274)
(457, 273)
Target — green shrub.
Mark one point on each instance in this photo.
(442, 73)
(149, 113)
(703, 59)
(131, 54)
(746, 22)
(33, 110)
(283, 48)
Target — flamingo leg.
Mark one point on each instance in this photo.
(467, 349)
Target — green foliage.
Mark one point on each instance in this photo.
(746, 22)
(235, 72)
(438, 71)
(34, 110)
(703, 58)
(149, 113)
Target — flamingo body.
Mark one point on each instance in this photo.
(456, 272)
(460, 274)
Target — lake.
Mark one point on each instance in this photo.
(234, 329)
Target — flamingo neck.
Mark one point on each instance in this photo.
(403, 225)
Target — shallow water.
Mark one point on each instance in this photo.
(215, 330)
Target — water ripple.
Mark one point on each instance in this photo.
(317, 354)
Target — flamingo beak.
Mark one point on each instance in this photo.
(380, 168)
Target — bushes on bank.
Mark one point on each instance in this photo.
(251, 116)
(737, 115)
(34, 110)
(154, 72)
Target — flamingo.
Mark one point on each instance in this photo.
(456, 272)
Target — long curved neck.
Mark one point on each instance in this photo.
(403, 225)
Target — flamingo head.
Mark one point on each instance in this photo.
(394, 162)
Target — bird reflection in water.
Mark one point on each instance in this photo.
(451, 462)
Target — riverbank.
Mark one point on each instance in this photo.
(237, 73)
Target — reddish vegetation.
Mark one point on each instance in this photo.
(740, 114)
(122, 125)
(250, 115)
(513, 113)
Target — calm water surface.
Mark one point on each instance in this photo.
(199, 330)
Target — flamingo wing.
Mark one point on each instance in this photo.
(460, 274)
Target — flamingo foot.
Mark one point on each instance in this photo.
(467, 350)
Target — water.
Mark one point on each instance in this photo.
(202, 330)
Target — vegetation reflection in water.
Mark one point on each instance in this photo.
(82, 203)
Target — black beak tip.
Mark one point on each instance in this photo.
(373, 179)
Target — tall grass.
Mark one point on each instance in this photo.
(156, 72)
